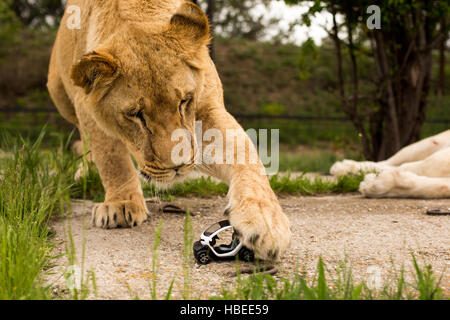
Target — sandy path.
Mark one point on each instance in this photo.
(368, 232)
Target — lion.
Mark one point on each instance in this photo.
(133, 73)
(420, 170)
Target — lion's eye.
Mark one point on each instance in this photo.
(180, 106)
(139, 115)
(183, 104)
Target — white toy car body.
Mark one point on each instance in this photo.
(205, 250)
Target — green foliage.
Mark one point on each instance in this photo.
(273, 109)
(308, 58)
(155, 266)
(9, 25)
(33, 186)
(238, 19)
(426, 283)
(326, 285)
(78, 282)
(302, 185)
(265, 287)
(89, 186)
(254, 74)
(201, 187)
(188, 258)
(38, 13)
(408, 32)
(307, 162)
(23, 69)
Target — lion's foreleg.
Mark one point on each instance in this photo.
(124, 203)
(253, 208)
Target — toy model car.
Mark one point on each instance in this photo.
(205, 250)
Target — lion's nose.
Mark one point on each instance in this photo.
(177, 168)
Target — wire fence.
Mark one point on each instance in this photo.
(236, 115)
(293, 129)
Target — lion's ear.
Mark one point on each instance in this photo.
(95, 70)
(190, 25)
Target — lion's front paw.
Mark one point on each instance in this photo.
(262, 226)
(344, 167)
(113, 214)
(371, 186)
(389, 183)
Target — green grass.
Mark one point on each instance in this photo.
(188, 257)
(307, 162)
(33, 186)
(302, 185)
(89, 186)
(79, 282)
(337, 285)
(200, 187)
(207, 187)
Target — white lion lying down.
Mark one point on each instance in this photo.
(420, 170)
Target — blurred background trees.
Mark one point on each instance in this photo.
(237, 18)
(390, 115)
(38, 12)
(9, 25)
(385, 82)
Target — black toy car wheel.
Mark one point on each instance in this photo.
(203, 256)
(201, 253)
(246, 255)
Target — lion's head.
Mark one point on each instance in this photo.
(140, 87)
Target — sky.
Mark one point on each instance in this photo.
(288, 14)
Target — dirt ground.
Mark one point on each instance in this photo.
(369, 233)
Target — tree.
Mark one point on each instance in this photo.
(442, 51)
(210, 13)
(210, 9)
(391, 116)
(38, 12)
(237, 18)
(9, 25)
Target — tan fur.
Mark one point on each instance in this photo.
(121, 79)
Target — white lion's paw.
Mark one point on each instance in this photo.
(389, 183)
(262, 227)
(372, 186)
(344, 167)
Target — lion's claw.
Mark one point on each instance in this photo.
(115, 214)
(262, 227)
